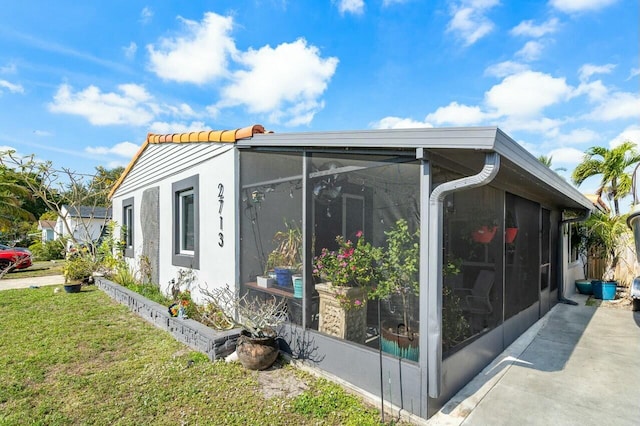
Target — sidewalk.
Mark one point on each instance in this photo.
(12, 283)
(577, 365)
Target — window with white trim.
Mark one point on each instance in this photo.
(186, 219)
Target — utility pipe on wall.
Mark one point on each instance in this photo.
(434, 272)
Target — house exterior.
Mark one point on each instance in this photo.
(85, 223)
(47, 227)
(489, 219)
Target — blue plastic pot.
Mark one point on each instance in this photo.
(283, 277)
(605, 290)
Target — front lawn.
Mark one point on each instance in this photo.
(38, 269)
(84, 359)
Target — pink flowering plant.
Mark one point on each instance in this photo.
(351, 265)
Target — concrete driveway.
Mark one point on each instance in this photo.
(579, 365)
(11, 283)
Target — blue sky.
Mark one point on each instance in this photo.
(82, 83)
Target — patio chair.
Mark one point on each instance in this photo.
(476, 300)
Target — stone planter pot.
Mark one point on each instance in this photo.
(257, 353)
(73, 287)
(335, 320)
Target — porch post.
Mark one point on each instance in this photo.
(425, 285)
(307, 237)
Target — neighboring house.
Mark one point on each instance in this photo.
(213, 201)
(86, 223)
(48, 230)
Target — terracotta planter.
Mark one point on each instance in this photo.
(257, 353)
(335, 320)
(510, 235)
(484, 235)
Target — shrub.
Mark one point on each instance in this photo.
(51, 250)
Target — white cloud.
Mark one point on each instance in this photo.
(505, 68)
(548, 126)
(566, 156)
(11, 87)
(529, 29)
(284, 82)
(526, 94)
(122, 149)
(351, 6)
(469, 20)
(618, 105)
(198, 54)
(386, 3)
(130, 50)
(145, 15)
(457, 115)
(576, 137)
(595, 90)
(633, 73)
(163, 127)
(127, 107)
(587, 70)
(531, 51)
(10, 68)
(398, 123)
(631, 133)
(570, 6)
(42, 133)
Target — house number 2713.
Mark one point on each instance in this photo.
(220, 207)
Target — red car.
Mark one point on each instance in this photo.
(14, 257)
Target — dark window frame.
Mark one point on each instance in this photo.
(129, 235)
(178, 189)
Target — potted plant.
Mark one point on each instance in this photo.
(604, 234)
(257, 347)
(510, 228)
(399, 267)
(77, 270)
(346, 276)
(286, 258)
(482, 226)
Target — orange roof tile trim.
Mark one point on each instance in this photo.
(225, 136)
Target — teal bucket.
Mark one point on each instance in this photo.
(297, 287)
(605, 290)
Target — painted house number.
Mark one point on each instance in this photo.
(220, 206)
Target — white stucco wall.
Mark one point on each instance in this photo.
(217, 264)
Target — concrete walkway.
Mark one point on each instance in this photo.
(577, 365)
(12, 283)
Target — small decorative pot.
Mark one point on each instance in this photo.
(73, 287)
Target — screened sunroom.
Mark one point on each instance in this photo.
(463, 226)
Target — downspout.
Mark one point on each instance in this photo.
(434, 271)
(582, 218)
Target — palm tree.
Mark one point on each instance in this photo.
(611, 164)
(12, 194)
(546, 160)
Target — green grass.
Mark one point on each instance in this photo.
(38, 269)
(83, 359)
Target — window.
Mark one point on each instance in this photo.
(186, 223)
(127, 223)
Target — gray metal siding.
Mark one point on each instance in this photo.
(160, 161)
(481, 138)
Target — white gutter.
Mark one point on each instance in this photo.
(434, 272)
